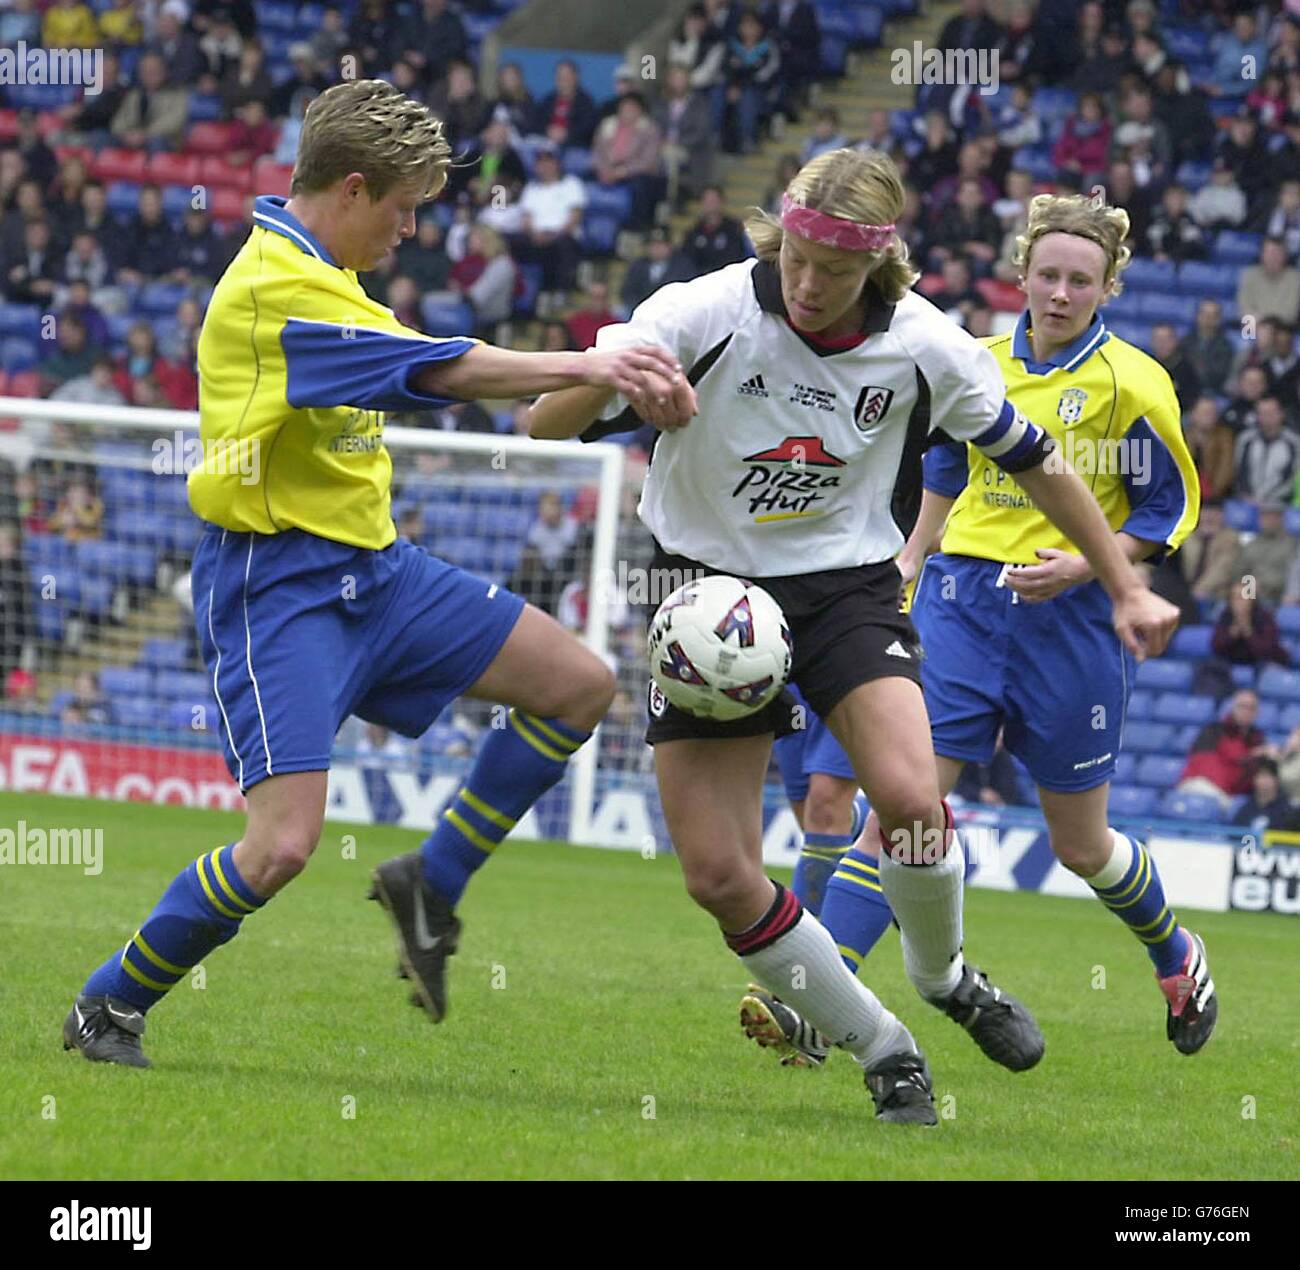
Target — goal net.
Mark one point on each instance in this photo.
(104, 692)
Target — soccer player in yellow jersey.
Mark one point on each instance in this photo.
(309, 607)
(1017, 632)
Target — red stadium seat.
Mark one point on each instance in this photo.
(226, 205)
(8, 125)
(930, 283)
(25, 383)
(174, 169)
(218, 174)
(84, 153)
(120, 165)
(1003, 297)
(209, 138)
(270, 177)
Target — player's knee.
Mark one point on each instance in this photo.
(583, 696)
(905, 808)
(290, 849)
(828, 809)
(1080, 856)
(719, 888)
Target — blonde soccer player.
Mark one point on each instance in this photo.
(309, 607)
(821, 377)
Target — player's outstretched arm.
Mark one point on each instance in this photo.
(925, 535)
(1142, 619)
(667, 405)
(639, 373)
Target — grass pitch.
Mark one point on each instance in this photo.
(593, 1034)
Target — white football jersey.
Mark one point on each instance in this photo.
(802, 459)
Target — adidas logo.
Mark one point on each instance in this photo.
(897, 650)
(753, 387)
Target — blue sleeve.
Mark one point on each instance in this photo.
(327, 364)
(945, 469)
(1157, 491)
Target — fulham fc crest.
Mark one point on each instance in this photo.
(1070, 407)
(873, 405)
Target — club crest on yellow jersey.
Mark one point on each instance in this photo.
(1070, 407)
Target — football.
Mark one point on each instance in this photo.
(720, 648)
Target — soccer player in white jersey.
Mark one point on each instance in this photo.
(821, 376)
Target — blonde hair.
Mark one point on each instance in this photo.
(368, 126)
(1085, 217)
(856, 185)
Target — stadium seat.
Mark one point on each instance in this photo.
(1194, 173)
(1159, 770)
(1185, 42)
(270, 177)
(834, 50)
(160, 299)
(1235, 247)
(1190, 641)
(1125, 766)
(530, 276)
(1163, 306)
(1279, 682)
(18, 354)
(1268, 719)
(210, 138)
(1144, 273)
(183, 685)
(1164, 675)
(1243, 676)
(126, 681)
(122, 198)
(1055, 104)
(1202, 807)
(1290, 716)
(204, 108)
(1288, 618)
(165, 654)
(1001, 297)
(444, 318)
(226, 205)
(1149, 738)
(1205, 281)
(216, 173)
(616, 200)
(138, 712)
(173, 169)
(1240, 515)
(578, 162)
(20, 319)
(1132, 800)
(120, 165)
(25, 383)
(1141, 704)
(1178, 707)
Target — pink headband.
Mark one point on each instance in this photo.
(832, 231)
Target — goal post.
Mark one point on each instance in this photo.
(102, 689)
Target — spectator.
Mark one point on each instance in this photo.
(956, 297)
(553, 534)
(94, 389)
(724, 18)
(552, 208)
(164, 383)
(1173, 234)
(403, 297)
(751, 65)
(42, 164)
(1140, 132)
(32, 272)
(422, 258)
(17, 622)
(1207, 348)
(431, 39)
(252, 135)
(1019, 55)
(499, 164)
(1209, 555)
(1284, 160)
(485, 275)
(20, 21)
(459, 104)
(566, 116)
(151, 114)
(286, 148)
(88, 700)
(87, 122)
(65, 196)
(793, 27)
(513, 104)
(1245, 153)
(1267, 807)
(1183, 112)
(248, 81)
(826, 135)
(594, 314)
(29, 207)
(69, 24)
(627, 148)
(1224, 752)
(969, 228)
(625, 82)
(330, 41)
(94, 218)
(76, 302)
(86, 262)
(1231, 51)
(787, 168)
(1220, 204)
(971, 165)
(79, 516)
(1268, 556)
(716, 239)
(1102, 65)
(1283, 218)
(379, 753)
(1166, 349)
(937, 159)
(1210, 443)
(1268, 100)
(149, 248)
(221, 45)
(200, 253)
(1123, 191)
(178, 49)
(555, 339)
(1246, 633)
(1289, 766)
(120, 25)
(1270, 288)
(306, 83)
(650, 271)
(1083, 146)
(1266, 456)
(370, 36)
(465, 416)
(1283, 369)
(696, 46)
(688, 141)
(1242, 413)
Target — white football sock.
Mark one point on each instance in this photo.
(1121, 857)
(804, 968)
(927, 901)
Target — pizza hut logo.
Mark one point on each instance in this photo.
(873, 405)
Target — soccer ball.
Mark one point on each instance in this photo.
(720, 648)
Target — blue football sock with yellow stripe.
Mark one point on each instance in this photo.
(516, 765)
(201, 910)
(856, 912)
(1130, 887)
(820, 856)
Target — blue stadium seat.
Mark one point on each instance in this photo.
(1055, 104)
(1141, 704)
(578, 162)
(1132, 332)
(526, 302)
(184, 685)
(49, 619)
(18, 354)
(1279, 682)
(1144, 273)
(1201, 807)
(1036, 160)
(1125, 766)
(107, 559)
(160, 298)
(126, 681)
(1161, 306)
(1126, 306)
(1160, 770)
(1240, 515)
(1243, 676)
(1178, 707)
(122, 197)
(614, 200)
(1132, 800)
(176, 200)
(59, 701)
(1236, 247)
(41, 96)
(20, 319)
(1269, 717)
(1207, 281)
(834, 55)
(600, 232)
(1290, 716)
(1185, 738)
(47, 553)
(1191, 641)
(1236, 805)
(204, 108)
(1149, 738)
(96, 598)
(1288, 617)
(478, 26)
(1186, 42)
(446, 318)
(140, 565)
(138, 712)
(275, 15)
(450, 520)
(1291, 521)
(1165, 675)
(1194, 173)
(165, 654)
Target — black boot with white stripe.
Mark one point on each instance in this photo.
(1193, 1006)
(999, 1024)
